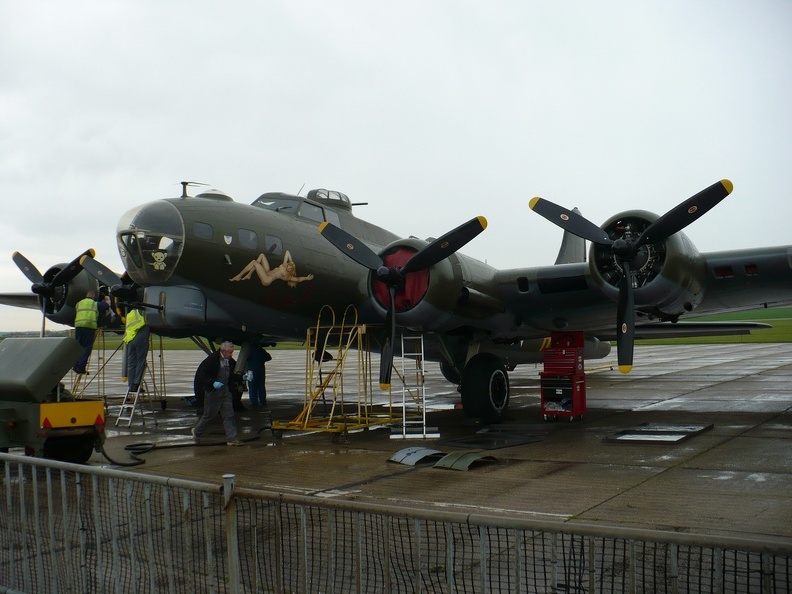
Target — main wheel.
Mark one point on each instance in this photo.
(485, 388)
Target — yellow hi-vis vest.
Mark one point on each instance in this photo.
(134, 322)
(87, 314)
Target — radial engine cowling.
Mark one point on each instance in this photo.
(434, 299)
(60, 307)
(668, 276)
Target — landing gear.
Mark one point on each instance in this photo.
(450, 373)
(485, 388)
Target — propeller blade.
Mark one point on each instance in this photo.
(28, 269)
(351, 246)
(71, 270)
(446, 245)
(682, 215)
(386, 357)
(570, 221)
(625, 322)
(99, 271)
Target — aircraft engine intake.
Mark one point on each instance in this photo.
(667, 277)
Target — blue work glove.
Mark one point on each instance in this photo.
(217, 385)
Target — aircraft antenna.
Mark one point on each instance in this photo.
(301, 189)
(186, 184)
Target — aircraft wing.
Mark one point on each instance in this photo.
(689, 329)
(26, 300)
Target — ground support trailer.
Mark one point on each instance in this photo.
(36, 412)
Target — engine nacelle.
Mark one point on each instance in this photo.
(61, 305)
(668, 276)
(436, 299)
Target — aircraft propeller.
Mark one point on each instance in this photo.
(394, 276)
(625, 249)
(46, 288)
(118, 289)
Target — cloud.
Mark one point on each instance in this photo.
(432, 112)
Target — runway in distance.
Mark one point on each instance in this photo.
(211, 268)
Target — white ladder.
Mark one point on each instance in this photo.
(413, 378)
(130, 403)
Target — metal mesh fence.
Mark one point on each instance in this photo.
(66, 528)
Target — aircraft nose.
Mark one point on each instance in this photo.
(150, 240)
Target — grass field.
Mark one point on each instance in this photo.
(780, 319)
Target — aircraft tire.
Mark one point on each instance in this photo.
(485, 388)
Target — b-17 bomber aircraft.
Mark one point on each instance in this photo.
(210, 268)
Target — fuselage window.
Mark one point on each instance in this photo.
(273, 245)
(202, 230)
(248, 239)
(311, 211)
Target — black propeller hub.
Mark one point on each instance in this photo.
(391, 276)
(41, 289)
(622, 249)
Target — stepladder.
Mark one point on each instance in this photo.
(133, 401)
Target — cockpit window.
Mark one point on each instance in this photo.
(280, 202)
(277, 204)
(311, 211)
(332, 217)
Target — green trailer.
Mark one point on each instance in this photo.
(36, 412)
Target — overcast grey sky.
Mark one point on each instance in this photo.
(431, 111)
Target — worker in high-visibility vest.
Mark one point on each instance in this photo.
(85, 322)
(136, 346)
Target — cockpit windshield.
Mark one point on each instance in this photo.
(150, 241)
(278, 202)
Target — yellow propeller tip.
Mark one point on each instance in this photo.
(483, 222)
(322, 226)
(625, 368)
(533, 202)
(385, 387)
(728, 185)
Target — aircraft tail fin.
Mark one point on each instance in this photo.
(573, 248)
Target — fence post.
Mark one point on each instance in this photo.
(232, 542)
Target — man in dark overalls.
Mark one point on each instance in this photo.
(213, 377)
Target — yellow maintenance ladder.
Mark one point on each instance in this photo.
(153, 376)
(329, 347)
